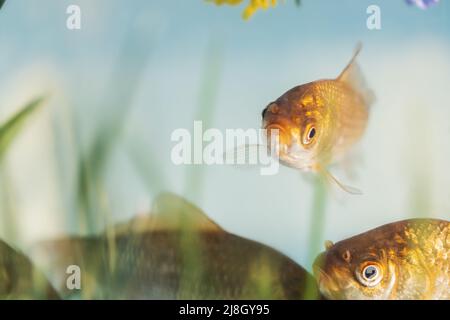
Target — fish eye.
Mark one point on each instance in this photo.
(310, 134)
(370, 275)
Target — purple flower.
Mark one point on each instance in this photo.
(422, 4)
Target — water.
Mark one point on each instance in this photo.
(99, 152)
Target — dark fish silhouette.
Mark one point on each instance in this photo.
(175, 253)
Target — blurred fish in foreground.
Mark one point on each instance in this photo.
(403, 260)
(1, 3)
(318, 122)
(422, 4)
(175, 253)
(19, 279)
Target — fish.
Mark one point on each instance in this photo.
(2, 2)
(19, 277)
(176, 252)
(317, 123)
(405, 260)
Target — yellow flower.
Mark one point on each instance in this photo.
(251, 8)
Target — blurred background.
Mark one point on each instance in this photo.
(98, 149)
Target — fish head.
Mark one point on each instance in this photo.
(355, 270)
(298, 120)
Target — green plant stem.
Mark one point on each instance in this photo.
(317, 225)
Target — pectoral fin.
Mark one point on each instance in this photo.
(330, 178)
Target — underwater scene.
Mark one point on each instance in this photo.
(225, 149)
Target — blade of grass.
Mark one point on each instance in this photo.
(91, 164)
(92, 197)
(147, 168)
(11, 128)
(421, 187)
(8, 132)
(317, 224)
(10, 231)
(190, 243)
(205, 111)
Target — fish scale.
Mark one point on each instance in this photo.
(151, 268)
(174, 253)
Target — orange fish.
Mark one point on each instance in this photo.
(408, 259)
(318, 122)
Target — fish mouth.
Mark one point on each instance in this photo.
(328, 286)
(282, 139)
(285, 145)
(275, 126)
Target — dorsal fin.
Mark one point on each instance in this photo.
(170, 212)
(353, 76)
(328, 244)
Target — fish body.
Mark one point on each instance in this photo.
(153, 258)
(403, 260)
(320, 121)
(20, 279)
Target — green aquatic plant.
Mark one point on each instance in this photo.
(205, 110)
(316, 230)
(92, 197)
(92, 161)
(9, 131)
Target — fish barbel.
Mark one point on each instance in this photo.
(403, 260)
(318, 122)
(174, 253)
(20, 279)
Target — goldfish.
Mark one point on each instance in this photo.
(318, 122)
(176, 252)
(19, 277)
(403, 260)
